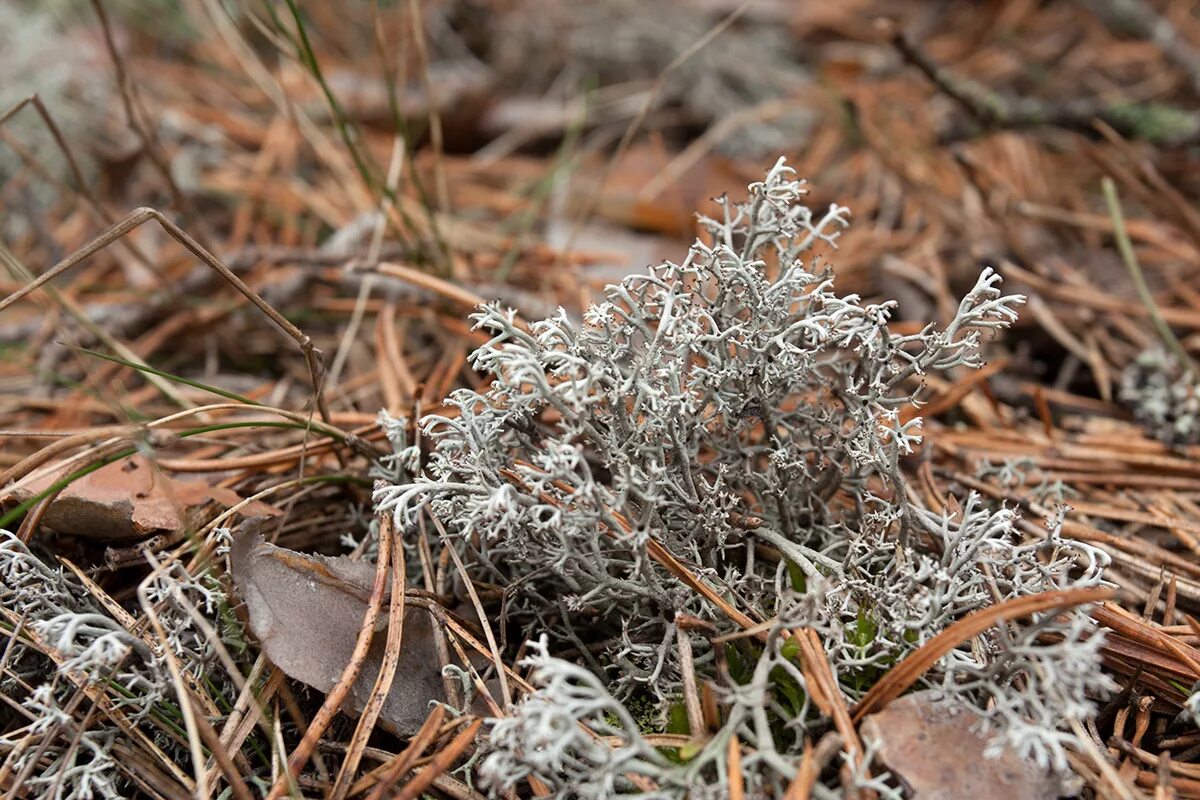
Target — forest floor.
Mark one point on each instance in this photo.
(258, 231)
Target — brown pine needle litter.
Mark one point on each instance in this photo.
(632, 397)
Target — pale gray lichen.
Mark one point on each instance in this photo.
(546, 740)
(1034, 679)
(93, 648)
(1023, 474)
(1191, 706)
(1164, 395)
(83, 771)
(736, 411)
(555, 737)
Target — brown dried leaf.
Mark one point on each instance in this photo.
(128, 499)
(307, 610)
(936, 749)
(197, 493)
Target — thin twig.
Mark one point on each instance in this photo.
(341, 690)
(993, 110)
(138, 217)
(387, 670)
(1125, 248)
(149, 139)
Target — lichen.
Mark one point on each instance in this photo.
(735, 412)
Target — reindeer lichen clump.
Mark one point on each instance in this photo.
(90, 648)
(735, 412)
(1164, 395)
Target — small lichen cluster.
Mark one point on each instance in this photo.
(79, 644)
(1191, 706)
(1164, 396)
(733, 416)
(546, 738)
(1024, 475)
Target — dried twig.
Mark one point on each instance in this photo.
(909, 671)
(993, 110)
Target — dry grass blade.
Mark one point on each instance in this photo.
(733, 761)
(1125, 247)
(187, 706)
(385, 776)
(134, 113)
(801, 786)
(817, 667)
(387, 671)
(493, 648)
(435, 117)
(140, 216)
(908, 671)
(423, 280)
(440, 763)
(225, 761)
(691, 695)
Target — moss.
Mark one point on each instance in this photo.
(644, 708)
(1154, 122)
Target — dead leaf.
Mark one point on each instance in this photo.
(196, 493)
(936, 749)
(128, 499)
(306, 612)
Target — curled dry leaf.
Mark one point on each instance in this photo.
(307, 611)
(126, 500)
(935, 747)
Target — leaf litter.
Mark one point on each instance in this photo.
(1011, 115)
(128, 500)
(966, 764)
(306, 612)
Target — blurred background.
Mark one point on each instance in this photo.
(375, 169)
(530, 151)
